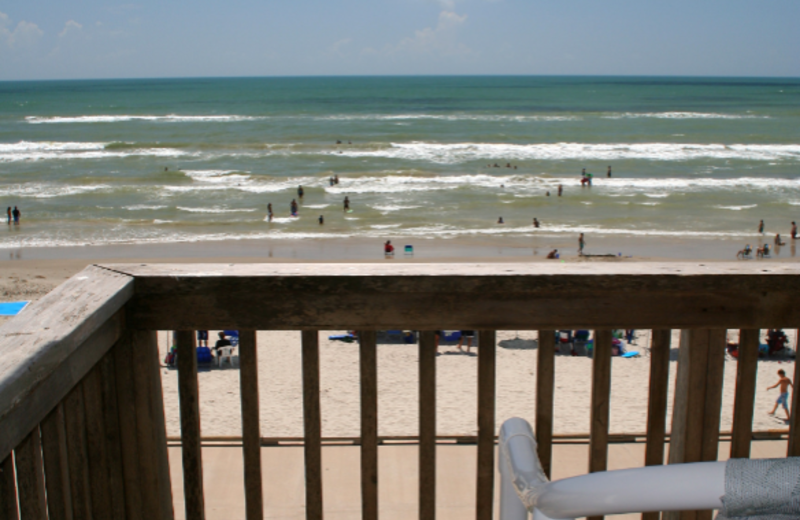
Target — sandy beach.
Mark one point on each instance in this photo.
(279, 358)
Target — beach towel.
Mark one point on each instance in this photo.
(11, 308)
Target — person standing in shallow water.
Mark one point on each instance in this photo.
(609, 172)
(16, 213)
(300, 192)
(346, 203)
(794, 230)
(8, 211)
(761, 227)
(293, 207)
(581, 245)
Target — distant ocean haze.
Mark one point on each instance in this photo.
(164, 161)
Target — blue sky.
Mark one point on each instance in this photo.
(53, 39)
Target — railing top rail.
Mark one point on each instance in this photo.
(499, 296)
(45, 350)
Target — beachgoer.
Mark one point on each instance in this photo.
(8, 212)
(269, 212)
(500, 220)
(745, 252)
(761, 227)
(560, 190)
(293, 207)
(581, 244)
(300, 192)
(202, 338)
(547, 194)
(346, 203)
(589, 179)
(16, 214)
(783, 399)
(469, 334)
(778, 241)
(388, 248)
(761, 252)
(552, 255)
(535, 222)
(794, 230)
(583, 172)
(508, 165)
(330, 180)
(336, 179)
(338, 142)
(496, 165)
(221, 342)
(609, 172)
(321, 220)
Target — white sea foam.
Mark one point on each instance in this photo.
(281, 220)
(681, 115)
(143, 207)
(159, 221)
(170, 118)
(48, 150)
(385, 226)
(388, 208)
(217, 209)
(217, 176)
(452, 153)
(316, 206)
(520, 118)
(38, 190)
(737, 208)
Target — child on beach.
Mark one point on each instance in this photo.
(783, 399)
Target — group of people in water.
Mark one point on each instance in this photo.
(294, 206)
(764, 250)
(14, 215)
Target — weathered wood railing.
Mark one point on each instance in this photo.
(82, 431)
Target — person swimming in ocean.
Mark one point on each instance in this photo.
(300, 192)
(346, 204)
(535, 222)
(560, 190)
(321, 220)
(500, 220)
(293, 207)
(761, 227)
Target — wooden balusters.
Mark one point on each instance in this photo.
(312, 425)
(129, 441)
(194, 500)
(427, 425)
(8, 489)
(793, 448)
(545, 387)
(30, 477)
(601, 393)
(99, 474)
(369, 424)
(77, 454)
(251, 427)
(54, 450)
(744, 400)
(657, 402)
(486, 426)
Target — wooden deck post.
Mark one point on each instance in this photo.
(793, 448)
(486, 424)
(54, 451)
(744, 400)
(251, 427)
(8, 489)
(369, 424)
(698, 397)
(77, 453)
(194, 500)
(657, 402)
(427, 425)
(601, 396)
(129, 443)
(545, 389)
(30, 477)
(312, 446)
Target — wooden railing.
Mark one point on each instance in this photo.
(82, 430)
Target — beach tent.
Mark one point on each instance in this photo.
(11, 308)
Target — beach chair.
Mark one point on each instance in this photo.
(224, 353)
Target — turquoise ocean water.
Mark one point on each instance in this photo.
(85, 160)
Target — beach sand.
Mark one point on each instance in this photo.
(27, 278)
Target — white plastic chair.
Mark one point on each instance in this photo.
(223, 353)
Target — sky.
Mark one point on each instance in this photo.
(88, 39)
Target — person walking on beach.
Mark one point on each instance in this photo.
(346, 204)
(469, 334)
(783, 399)
(609, 172)
(581, 245)
(300, 192)
(16, 213)
(761, 227)
(794, 230)
(293, 207)
(8, 211)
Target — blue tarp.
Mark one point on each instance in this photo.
(11, 308)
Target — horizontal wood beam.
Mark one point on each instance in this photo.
(512, 296)
(53, 343)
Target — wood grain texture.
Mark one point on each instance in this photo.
(129, 442)
(427, 425)
(251, 424)
(793, 448)
(54, 451)
(486, 424)
(657, 403)
(601, 398)
(545, 393)
(312, 425)
(745, 394)
(8, 489)
(30, 478)
(715, 373)
(112, 435)
(190, 427)
(516, 296)
(99, 473)
(52, 344)
(369, 424)
(77, 454)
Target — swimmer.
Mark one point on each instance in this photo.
(338, 142)
(581, 244)
(330, 180)
(321, 220)
(300, 192)
(496, 165)
(552, 255)
(346, 203)
(336, 179)
(609, 172)
(500, 220)
(778, 241)
(547, 194)
(560, 190)
(761, 227)
(269, 212)
(293, 207)
(794, 230)
(535, 222)
(508, 165)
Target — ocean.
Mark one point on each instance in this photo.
(193, 160)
